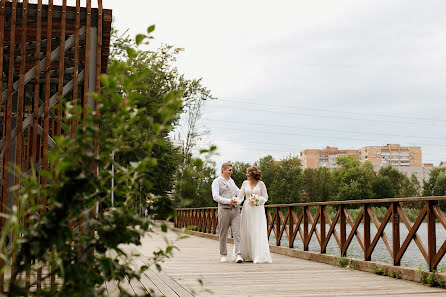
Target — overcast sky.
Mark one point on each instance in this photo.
(293, 75)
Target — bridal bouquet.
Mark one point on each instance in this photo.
(254, 200)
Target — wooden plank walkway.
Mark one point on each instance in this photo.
(198, 258)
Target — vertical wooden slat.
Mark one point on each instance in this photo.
(87, 60)
(367, 257)
(36, 141)
(277, 209)
(8, 110)
(28, 142)
(98, 73)
(305, 213)
(431, 235)
(36, 98)
(46, 115)
(343, 226)
(99, 49)
(2, 28)
(61, 63)
(395, 233)
(323, 233)
(76, 63)
(20, 110)
(2, 38)
(290, 227)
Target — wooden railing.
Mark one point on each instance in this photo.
(297, 219)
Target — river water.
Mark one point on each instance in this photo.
(411, 258)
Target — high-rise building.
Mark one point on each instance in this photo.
(391, 155)
(314, 158)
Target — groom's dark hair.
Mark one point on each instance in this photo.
(225, 165)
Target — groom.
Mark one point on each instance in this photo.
(225, 191)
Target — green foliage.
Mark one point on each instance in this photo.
(434, 185)
(431, 279)
(266, 164)
(318, 185)
(239, 172)
(411, 187)
(380, 270)
(79, 181)
(396, 178)
(158, 76)
(382, 187)
(345, 262)
(394, 274)
(194, 187)
(354, 181)
(287, 182)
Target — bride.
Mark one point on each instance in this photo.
(254, 240)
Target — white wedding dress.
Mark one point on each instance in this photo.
(254, 239)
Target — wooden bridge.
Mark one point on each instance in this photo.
(198, 260)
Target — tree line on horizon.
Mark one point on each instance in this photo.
(287, 182)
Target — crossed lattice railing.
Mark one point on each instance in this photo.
(308, 219)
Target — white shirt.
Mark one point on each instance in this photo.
(216, 192)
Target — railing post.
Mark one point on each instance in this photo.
(395, 232)
(277, 226)
(306, 243)
(343, 226)
(290, 227)
(175, 220)
(431, 234)
(213, 222)
(322, 228)
(367, 257)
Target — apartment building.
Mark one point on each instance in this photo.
(391, 155)
(315, 158)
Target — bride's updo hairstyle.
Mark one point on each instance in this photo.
(254, 172)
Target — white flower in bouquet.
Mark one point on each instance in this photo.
(254, 200)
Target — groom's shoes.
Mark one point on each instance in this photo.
(239, 259)
(223, 259)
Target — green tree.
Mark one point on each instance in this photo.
(159, 76)
(287, 183)
(353, 180)
(382, 187)
(317, 185)
(194, 189)
(430, 185)
(440, 185)
(266, 164)
(239, 172)
(411, 187)
(397, 179)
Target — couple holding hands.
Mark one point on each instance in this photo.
(248, 227)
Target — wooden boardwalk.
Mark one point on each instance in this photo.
(198, 259)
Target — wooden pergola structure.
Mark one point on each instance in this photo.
(47, 51)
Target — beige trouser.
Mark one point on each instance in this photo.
(229, 217)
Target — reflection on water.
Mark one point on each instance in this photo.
(411, 258)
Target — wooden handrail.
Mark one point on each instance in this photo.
(299, 221)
